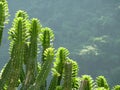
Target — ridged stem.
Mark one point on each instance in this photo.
(49, 55)
(67, 76)
(31, 54)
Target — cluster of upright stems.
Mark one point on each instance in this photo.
(33, 56)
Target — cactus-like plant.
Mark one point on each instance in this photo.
(67, 76)
(100, 88)
(116, 87)
(87, 83)
(75, 79)
(102, 82)
(61, 57)
(23, 14)
(25, 72)
(31, 51)
(45, 69)
(46, 38)
(18, 38)
(4, 13)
